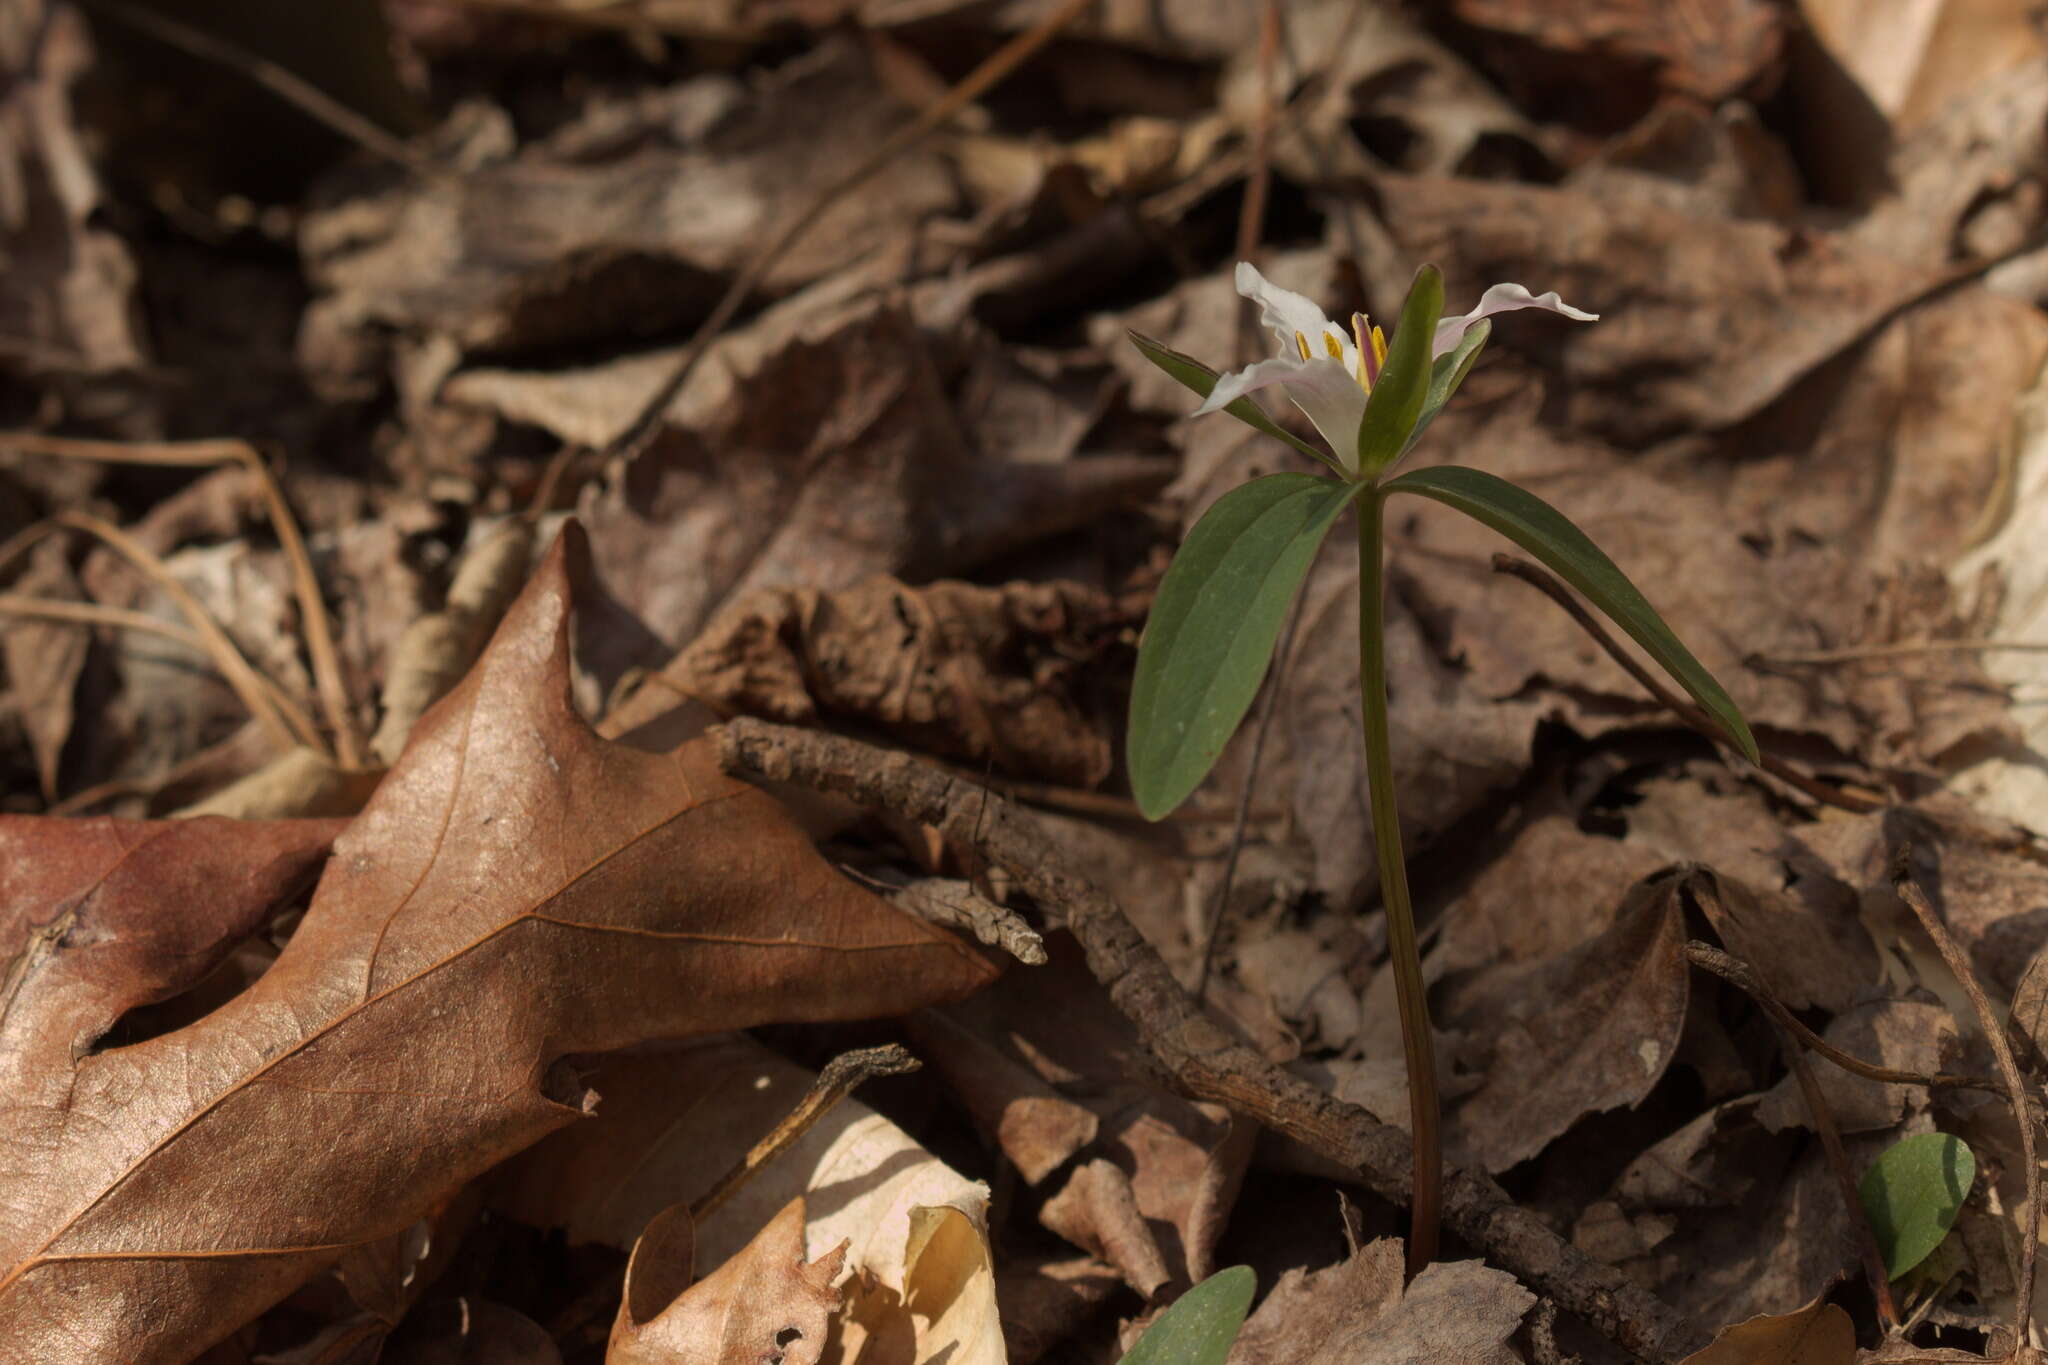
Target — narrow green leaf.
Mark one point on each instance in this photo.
(1213, 627)
(1546, 533)
(1446, 373)
(1202, 1325)
(1912, 1194)
(1195, 375)
(1404, 382)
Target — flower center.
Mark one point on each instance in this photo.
(1370, 343)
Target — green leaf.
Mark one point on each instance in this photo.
(1912, 1193)
(1195, 375)
(1446, 373)
(1213, 627)
(1404, 383)
(1202, 1324)
(1546, 533)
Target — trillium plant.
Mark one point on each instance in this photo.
(1220, 607)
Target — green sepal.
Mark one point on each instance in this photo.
(1403, 386)
(1446, 373)
(1549, 535)
(1192, 373)
(1214, 624)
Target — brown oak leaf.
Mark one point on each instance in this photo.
(517, 890)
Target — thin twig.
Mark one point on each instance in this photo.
(1006, 59)
(295, 90)
(1904, 649)
(1203, 1060)
(218, 453)
(119, 618)
(267, 704)
(1792, 1041)
(1251, 227)
(2008, 1066)
(1242, 817)
(1679, 706)
(94, 614)
(1845, 1181)
(838, 1080)
(841, 1076)
(1741, 975)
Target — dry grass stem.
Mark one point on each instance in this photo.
(320, 647)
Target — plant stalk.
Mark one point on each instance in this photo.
(1424, 1122)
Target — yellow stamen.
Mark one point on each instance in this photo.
(1301, 340)
(1358, 335)
(1379, 347)
(1333, 345)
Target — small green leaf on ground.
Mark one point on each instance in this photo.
(1912, 1194)
(1201, 1326)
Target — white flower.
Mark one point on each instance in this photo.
(1328, 372)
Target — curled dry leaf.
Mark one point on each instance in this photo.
(766, 1303)
(674, 1120)
(985, 675)
(1151, 1194)
(581, 238)
(518, 889)
(1586, 1030)
(831, 457)
(1818, 1334)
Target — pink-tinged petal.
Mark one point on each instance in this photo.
(1502, 298)
(1283, 312)
(1324, 389)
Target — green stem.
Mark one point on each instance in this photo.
(1402, 951)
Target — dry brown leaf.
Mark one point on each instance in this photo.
(1323, 1314)
(1586, 1030)
(1038, 1129)
(1152, 1193)
(518, 889)
(1910, 57)
(68, 305)
(675, 1119)
(985, 675)
(1809, 947)
(766, 1303)
(835, 459)
(1703, 321)
(1546, 893)
(1045, 1301)
(1905, 1035)
(1720, 162)
(1385, 91)
(1618, 47)
(605, 231)
(1818, 1334)
(1357, 1313)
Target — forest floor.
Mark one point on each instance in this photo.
(632, 521)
